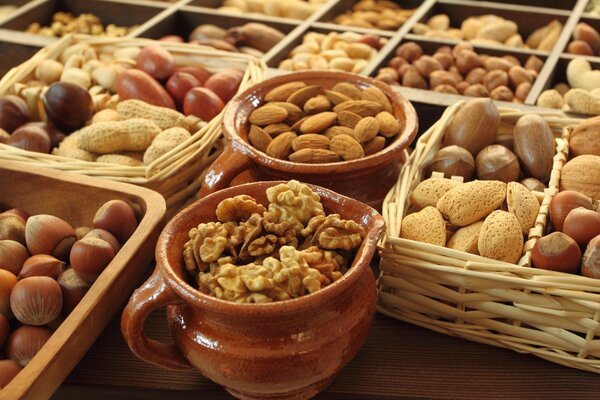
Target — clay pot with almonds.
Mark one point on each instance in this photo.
(319, 127)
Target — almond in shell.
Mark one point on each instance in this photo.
(310, 141)
(523, 204)
(346, 147)
(268, 114)
(375, 94)
(314, 156)
(283, 92)
(501, 237)
(281, 146)
(364, 108)
(318, 122)
(466, 238)
(425, 226)
(366, 129)
(428, 192)
(471, 201)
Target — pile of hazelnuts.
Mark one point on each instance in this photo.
(46, 267)
(574, 246)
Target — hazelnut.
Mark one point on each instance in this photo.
(453, 161)
(36, 300)
(410, 51)
(42, 265)
(476, 75)
(494, 79)
(426, 65)
(73, 289)
(81, 231)
(497, 63)
(437, 78)
(12, 227)
(466, 61)
(557, 252)
(512, 59)
(522, 91)
(106, 236)
(460, 47)
(445, 88)
(12, 255)
(590, 265)
(7, 282)
(116, 217)
(562, 204)
(8, 370)
(518, 75)
(89, 257)
(462, 87)
(24, 343)
(582, 225)
(413, 79)
(476, 90)
(502, 93)
(533, 184)
(396, 62)
(533, 63)
(47, 234)
(496, 162)
(445, 59)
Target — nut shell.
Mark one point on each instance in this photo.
(12, 256)
(557, 252)
(116, 217)
(47, 234)
(36, 300)
(453, 161)
(89, 257)
(590, 263)
(582, 225)
(496, 162)
(582, 174)
(24, 343)
(425, 226)
(68, 106)
(474, 126)
(501, 237)
(534, 146)
(562, 204)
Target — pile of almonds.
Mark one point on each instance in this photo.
(460, 70)
(309, 124)
(46, 267)
(64, 23)
(347, 51)
(375, 14)
(490, 30)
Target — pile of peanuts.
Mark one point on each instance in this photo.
(375, 14)
(347, 51)
(64, 23)
(460, 70)
(491, 30)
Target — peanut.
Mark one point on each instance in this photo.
(134, 134)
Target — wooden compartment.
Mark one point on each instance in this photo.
(75, 198)
(344, 6)
(14, 54)
(553, 4)
(593, 22)
(110, 12)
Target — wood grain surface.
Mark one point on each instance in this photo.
(399, 361)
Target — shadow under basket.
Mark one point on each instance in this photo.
(552, 315)
(177, 175)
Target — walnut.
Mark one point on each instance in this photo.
(294, 203)
(262, 245)
(336, 233)
(238, 208)
(313, 224)
(272, 224)
(328, 263)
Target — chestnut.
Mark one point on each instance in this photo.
(117, 217)
(36, 300)
(55, 135)
(24, 343)
(496, 162)
(68, 106)
(557, 252)
(8, 370)
(47, 234)
(562, 204)
(453, 161)
(89, 256)
(13, 113)
(42, 265)
(31, 138)
(590, 263)
(582, 225)
(73, 289)
(12, 256)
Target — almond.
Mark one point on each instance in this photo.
(466, 238)
(296, 126)
(471, 201)
(428, 192)
(276, 129)
(336, 97)
(348, 118)
(314, 156)
(348, 89)
(338, 130)
(318, 122)
(310, 141)
(364, 108)
(295, 113)
(425, 226)
(259, 138)
(283, 92)
(317, 104)
(301, 96)
(374, 146)
(388, 124)
(523, 204)
(268, 114)
(366, 129)
(375, 94)
(281, 146)
(501, 237)
(346, 147)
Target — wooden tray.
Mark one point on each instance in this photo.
(75, 198)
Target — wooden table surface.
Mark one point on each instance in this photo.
(398, 361)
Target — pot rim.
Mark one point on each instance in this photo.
(194, 297)
(233, 109)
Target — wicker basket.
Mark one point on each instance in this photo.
(550, 314)
(177, 174)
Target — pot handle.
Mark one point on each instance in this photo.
(152, 295)
(224, 169)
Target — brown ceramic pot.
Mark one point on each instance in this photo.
(283, 350)
(367, 179)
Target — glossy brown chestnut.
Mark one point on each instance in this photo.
(31, 138)
(68, 106)
(453, 161)
(13, 113)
